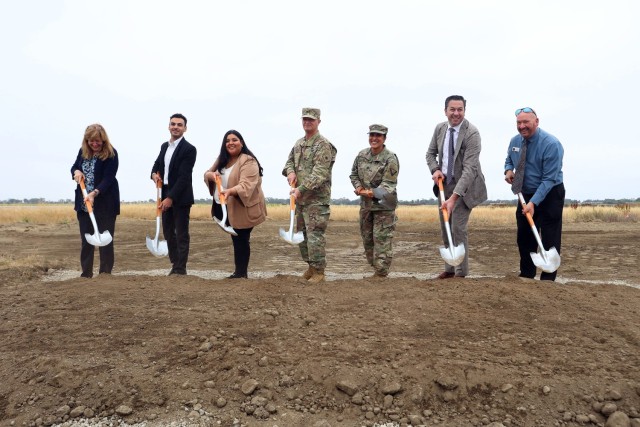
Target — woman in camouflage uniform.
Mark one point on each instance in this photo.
(374, 176)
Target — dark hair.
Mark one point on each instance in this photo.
(179, 116)
(223, 157)
(455, 98)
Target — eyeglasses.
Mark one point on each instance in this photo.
(526, 110)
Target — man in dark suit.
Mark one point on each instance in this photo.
(174, 167)
(456, 144)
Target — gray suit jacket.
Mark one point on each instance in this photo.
(466, 164)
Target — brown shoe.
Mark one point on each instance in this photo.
(307, 274)
(317, 277)
(446, 275)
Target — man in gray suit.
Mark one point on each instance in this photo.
(454, 156)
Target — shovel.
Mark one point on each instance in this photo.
(547, 261)
(290, 236)
(96, 239)
(158, 247)
(385, 199)
(453, 255)
(223, 202)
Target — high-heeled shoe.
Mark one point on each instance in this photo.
(237, 276)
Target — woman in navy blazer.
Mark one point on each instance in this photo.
(97, 164)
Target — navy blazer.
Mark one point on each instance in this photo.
(180, 187)
(108, 201)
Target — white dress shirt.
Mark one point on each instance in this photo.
(167, 159)
(445, 147)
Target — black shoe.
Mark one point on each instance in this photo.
(237, 276)
(179, 272)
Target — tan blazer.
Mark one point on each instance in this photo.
(248, 208)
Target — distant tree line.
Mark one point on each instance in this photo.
(340, 201)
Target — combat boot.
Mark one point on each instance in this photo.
(379, 275)
(307, 274)
(318, 276)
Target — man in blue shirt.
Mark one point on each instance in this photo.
(542, 188)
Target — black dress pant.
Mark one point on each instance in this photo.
(548, 220)
(175, 226)
(241, 242)
(241, 250)
(106, 222)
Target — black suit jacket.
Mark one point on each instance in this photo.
(108, 201)
(180, 188)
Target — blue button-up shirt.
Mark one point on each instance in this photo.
(543, 169)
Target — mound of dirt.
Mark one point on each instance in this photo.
(491, 349)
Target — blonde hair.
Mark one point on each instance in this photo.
(96, 131)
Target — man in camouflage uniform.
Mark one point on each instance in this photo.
(376, 169)
(308, 170)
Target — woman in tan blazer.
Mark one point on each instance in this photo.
(241, 175)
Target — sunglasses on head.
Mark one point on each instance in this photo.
(526, 110)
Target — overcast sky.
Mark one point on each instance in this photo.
(253, 65)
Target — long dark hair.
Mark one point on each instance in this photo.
(223, 157)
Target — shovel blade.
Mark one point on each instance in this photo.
(548, 263)
(160, 249)
(385, 199)
(223, 222)
(453, 255)
(290, 237)
(226, 228)
(98, 239)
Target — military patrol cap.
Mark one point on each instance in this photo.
(381, 129)
(312, 113)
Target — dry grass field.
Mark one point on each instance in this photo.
(482, 215)
(150, 350)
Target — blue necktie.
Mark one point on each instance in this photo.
(518, 179)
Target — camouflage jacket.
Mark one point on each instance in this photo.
(312, 161)
(372, 171)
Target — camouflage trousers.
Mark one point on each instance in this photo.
(313, 220)
(376, 228)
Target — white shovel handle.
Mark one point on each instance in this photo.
(89, 208)
(533, 227)
(445, 214)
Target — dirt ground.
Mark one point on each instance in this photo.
(490, 349)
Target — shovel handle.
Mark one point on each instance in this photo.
(84, 193)
(543, 253)
(528, 215)
(445, 214)
(223, 199)
(292, 201)
(158, 195)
